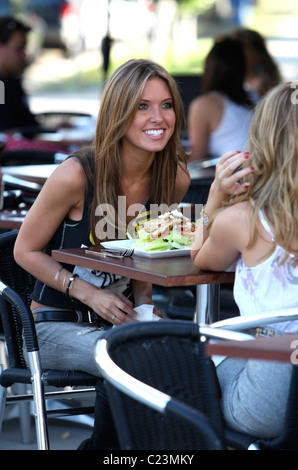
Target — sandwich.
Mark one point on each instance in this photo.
(171, 230)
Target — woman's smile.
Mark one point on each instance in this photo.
(154, 133)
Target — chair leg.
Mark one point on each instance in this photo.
(39, 402)
(24, 415)
(3, 393)
(24, 410)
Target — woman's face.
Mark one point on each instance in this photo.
(154, 121)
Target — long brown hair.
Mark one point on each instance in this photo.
(120, 101)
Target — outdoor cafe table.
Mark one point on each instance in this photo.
(283, 348)
(13, 218)
(36, 173)
(166, 272)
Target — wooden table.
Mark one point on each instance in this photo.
(167, 272)
(277, 348)
(68, 137)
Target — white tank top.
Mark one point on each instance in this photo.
(232, 131)
(268, 285)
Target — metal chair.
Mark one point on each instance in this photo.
(162, 389)
(288, 439)
(18, 325)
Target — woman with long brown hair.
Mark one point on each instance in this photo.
(138, 156)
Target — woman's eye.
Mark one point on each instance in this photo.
(167, 105)
(143, 106)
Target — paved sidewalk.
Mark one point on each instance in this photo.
(63, 435)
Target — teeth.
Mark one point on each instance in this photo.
(155, 132)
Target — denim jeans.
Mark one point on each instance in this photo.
(68, 346)
(254, 395)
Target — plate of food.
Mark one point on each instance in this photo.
(170, 234)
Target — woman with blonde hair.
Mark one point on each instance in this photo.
(137, 156)
(258, 231)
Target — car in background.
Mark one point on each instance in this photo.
(77, 25)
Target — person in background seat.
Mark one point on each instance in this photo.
(218, 120)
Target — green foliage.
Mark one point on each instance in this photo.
(196, 6)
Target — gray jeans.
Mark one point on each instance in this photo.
(67, 345)
(254, 395)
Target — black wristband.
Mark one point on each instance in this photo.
(69, 286)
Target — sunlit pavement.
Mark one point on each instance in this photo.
(63, 435)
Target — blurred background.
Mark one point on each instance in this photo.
(75, 44)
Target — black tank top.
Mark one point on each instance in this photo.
(74, 234)
(70, 234)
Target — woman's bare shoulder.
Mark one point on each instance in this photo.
(206, 100)
(235, 221)
(70, 173)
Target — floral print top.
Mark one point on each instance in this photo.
(267, 286)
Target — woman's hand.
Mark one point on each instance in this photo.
(111, 306)
(227, 183)
(228, 174)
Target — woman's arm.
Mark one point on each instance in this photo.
(60, 195)
(229, 235)
(198, 129)
(225, 184)
(63, 194)
(204, 116)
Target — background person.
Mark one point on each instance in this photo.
(218, 120)
(15, 113)
(262, 72)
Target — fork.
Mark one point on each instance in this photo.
(125, 253)
(112, 253)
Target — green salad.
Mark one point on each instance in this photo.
(170, 231)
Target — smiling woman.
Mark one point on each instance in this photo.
(137, 156)
(154, 121)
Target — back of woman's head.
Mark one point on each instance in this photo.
(225, 70)
(259, 60)
(274, 135)
(274, 156)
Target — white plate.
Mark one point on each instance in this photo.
(122, 244)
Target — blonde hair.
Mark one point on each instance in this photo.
(274, 156)
(120, 101)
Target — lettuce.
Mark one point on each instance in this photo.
(173, 241)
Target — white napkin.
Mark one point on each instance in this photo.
(145, 313)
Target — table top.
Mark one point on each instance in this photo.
(11, 218)
(66, 137)
(37, 173)
(167, 272)
(282, 348)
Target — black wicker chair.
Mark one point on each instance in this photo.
(174, 403)
(17, 322)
